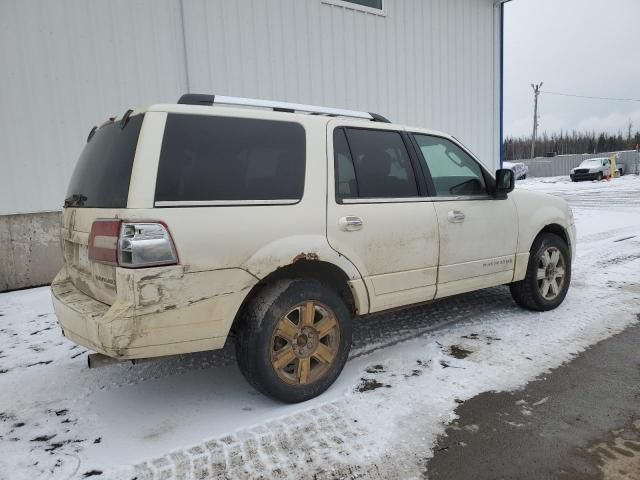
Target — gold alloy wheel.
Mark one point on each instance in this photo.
(305, 343)
(551, 273)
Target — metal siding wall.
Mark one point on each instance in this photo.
(68, 65)
(430, 63)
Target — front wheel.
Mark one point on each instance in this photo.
(294, 339)
(599, 176)
(548, 275)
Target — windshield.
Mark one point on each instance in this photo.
(102, 174)
(594, 162)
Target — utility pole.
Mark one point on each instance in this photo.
(536, 92)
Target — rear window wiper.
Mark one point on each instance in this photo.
(75, 200)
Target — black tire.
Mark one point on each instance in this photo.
(620, 172)
(526, 293)
(599, 176)
(255, 337)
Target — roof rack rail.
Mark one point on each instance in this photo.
(205, 99)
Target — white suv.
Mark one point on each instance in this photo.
(277, 225)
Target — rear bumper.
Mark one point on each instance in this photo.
(133, 329)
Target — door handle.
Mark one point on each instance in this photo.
(350, 223)
(456, 216)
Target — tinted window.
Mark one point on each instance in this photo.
(381, 163)
(453, 171)
(346, 185)
(103, 172)
(230, 159)
(367, 3)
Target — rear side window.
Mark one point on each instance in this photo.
(225, 159)
(372, 164)
(103, 172)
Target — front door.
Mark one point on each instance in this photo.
(478, 233)
(378, 215)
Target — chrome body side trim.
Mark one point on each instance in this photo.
(222, 203)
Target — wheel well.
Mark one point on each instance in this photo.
(556, 230)
(324, 272)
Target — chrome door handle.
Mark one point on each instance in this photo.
(350, 223)
(456, 216)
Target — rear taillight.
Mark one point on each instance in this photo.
(145, 245)
(103, 241)
(131, 245)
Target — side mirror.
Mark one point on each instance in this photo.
(505, 182)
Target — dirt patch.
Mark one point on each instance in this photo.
(458, 352)
(4, 416)
(91, 473)
(375, 369)
(46, 362)
(369, 384)
(40, 331)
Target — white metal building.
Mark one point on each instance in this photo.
(68, 65)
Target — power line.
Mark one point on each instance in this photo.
(590, 97)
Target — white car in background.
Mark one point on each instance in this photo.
(591, 169)
(520, 170)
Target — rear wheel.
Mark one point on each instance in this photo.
(548, 275)
(294, 340)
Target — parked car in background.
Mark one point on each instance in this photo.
(277, 225)
(591, 169)
(520, 170)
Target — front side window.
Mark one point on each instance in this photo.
(226, 159)
(453, 171)
(372, 164)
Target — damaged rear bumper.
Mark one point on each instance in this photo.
(162, 312)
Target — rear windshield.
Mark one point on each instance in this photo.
(226, 159)
(102, 174)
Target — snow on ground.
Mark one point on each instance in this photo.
(195, 416)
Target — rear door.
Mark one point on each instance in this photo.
(478, 233)
(377, 213)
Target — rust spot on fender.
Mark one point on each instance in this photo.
(311, 256)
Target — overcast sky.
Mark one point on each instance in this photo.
(583, 47)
